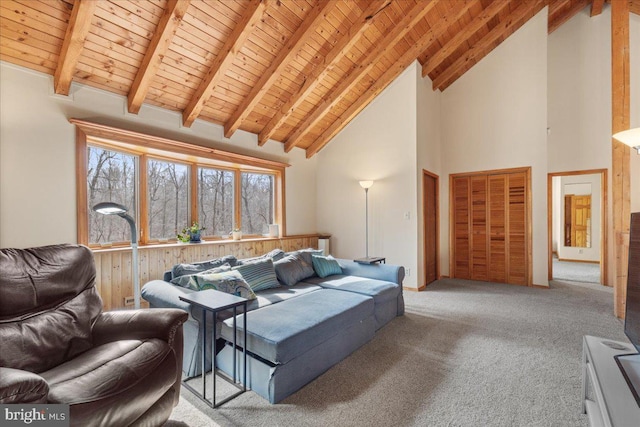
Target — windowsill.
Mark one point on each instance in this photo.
(204, 242)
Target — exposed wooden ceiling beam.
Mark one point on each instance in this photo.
(361, 68)
(596, 7)
(315, 17)
(346, 42)
(223, 61)
(74, 38)
(158, 46)
(483, 46)
(383, 81)
(478, 22)
(563, 17)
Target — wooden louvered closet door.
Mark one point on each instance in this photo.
(490, 240)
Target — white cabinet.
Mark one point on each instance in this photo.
(607, 398)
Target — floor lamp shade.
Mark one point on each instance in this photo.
(110, 208)
(629, 137)
(366, 185)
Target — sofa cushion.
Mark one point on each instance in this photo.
(292, 269)
(280, 332)
(325, 265)
(198, 267)
(189, 282)
(380, 290)
(307, 254)
(260, 275)
(274, 255)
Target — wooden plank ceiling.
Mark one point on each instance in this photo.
(295, 71)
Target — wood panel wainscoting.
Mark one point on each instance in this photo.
(114, 272)
(490, 219)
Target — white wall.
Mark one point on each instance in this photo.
(579, 58)
(428, 156)
(380, 145)
(495, 117)
(579, 185)
(37, 155)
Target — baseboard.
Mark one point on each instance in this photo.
(421, 288)
(578, 260)
(444, 277)
(541, 286)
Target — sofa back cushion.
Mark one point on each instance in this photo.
(274, 255)
(48, 304)
(188, 281)
(292, 269)
(198, 267)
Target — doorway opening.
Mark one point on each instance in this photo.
(577, 232)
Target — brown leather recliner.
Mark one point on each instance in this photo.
(118, 368)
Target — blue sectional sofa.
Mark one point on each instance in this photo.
(296, 332)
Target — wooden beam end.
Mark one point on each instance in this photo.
(61, 88)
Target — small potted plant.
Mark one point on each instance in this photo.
(191, 234)
(236, 234)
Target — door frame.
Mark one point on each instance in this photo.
(426, 173)
(603, 219)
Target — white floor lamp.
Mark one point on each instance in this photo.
(366, 185)
(109, 208)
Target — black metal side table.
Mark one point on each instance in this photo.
(214, 302)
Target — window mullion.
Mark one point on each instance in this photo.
(144, 200)
(237, 190)
(193, 192)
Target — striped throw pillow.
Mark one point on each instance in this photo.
(260, 275)
(325, 265)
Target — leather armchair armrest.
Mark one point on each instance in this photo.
(162, 323)
(18, 386)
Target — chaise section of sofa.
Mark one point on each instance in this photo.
(293, 342)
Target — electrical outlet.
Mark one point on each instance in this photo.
(580, 251)
(128, 301)
(407, 215)
(407, 272)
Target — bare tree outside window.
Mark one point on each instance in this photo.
(168, 197)
(257, 203)
(215, 201)
(111, 177)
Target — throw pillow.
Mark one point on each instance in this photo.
(325, 265)
(188, 281)
(198, 267)
(260, 275)
(307, 253)
(292, 269)
(230, 282)
(275, 255)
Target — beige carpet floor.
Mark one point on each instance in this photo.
(465, 354)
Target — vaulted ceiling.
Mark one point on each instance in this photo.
(294, 71)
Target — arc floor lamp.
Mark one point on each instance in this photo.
(110, 208)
